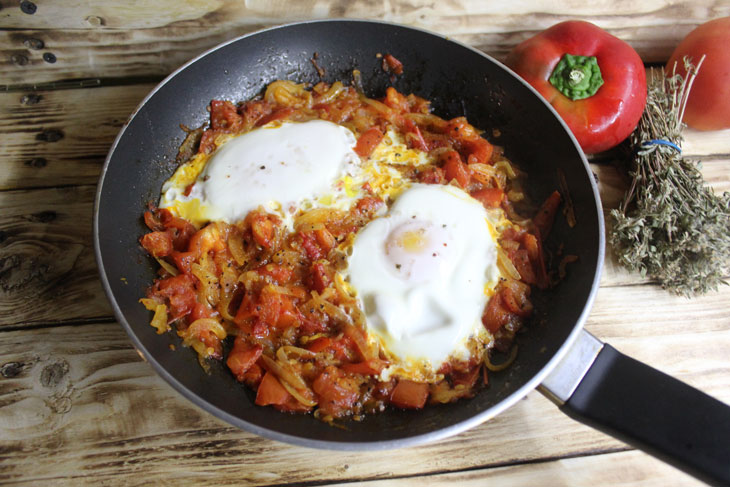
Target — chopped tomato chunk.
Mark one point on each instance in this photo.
(496, 315)
(409, 395)
(545, 216)
(242, 357)
(271, 391)
(368, 367)
(224, 116)
(368, 141)
(336, 393)
(158, 244)
(454, 168)
(394, 65)
(489, 197)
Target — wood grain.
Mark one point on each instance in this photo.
(53, 138)
(61, 137)
(635, 469)
(102, 39)
(75, 405)
(47, 268)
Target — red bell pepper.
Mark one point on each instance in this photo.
(595, 81)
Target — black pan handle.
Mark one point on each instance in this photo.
(650, 410)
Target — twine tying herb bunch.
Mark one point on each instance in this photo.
(669, 225)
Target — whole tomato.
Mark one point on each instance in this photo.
(595, 81)
(708, 106)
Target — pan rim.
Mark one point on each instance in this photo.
(415, 440)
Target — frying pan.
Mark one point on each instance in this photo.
(589, 380)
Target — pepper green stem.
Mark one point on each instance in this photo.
(577, 77)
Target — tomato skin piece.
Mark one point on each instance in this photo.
(545, 216)
(454, 168)
(432, 175)
(479, 150)
(309, 244)
(180, 291)
(368, 141)
(321, 278)
(368, 367)
(270, 391)
(393, 64)
(263, 231)
(224, 116)
(183, 261)
(603, 120)
(489, 197)
(409, 395)
(279, 273)
(337, 394)
(242, 357)
(496, 314)
(708, 106)
(279, 114)
(158, 244)
(320, 344)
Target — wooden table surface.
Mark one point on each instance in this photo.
(79, 406)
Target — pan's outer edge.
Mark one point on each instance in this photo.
(353, 446)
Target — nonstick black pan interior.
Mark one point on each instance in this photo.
(460, 82)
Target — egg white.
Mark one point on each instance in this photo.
(422, 273)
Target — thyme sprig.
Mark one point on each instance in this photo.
(670, 226)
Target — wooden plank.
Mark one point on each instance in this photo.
(47, 267)
(61, 137)
(54, 138)
(76, 405)
(636, 469)
(100, 39)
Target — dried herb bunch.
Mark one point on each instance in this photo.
(669, 225)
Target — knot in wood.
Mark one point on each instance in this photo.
(36, 162)
(11, 369)
(30, 99)
(33, 43)
(52, 374)
(95, 21)
(44, 216)
(19, 59)
(50, 135)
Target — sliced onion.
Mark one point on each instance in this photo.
(299, 395)
(506, 267)
(235, 246)
(360, 338)
(283, 372)
(169, 268)
(209, 290)
(496, 368)
(197, 326)
(377, 105)
(287, 351)
(335, 312)
(316, 219)
(332, 93)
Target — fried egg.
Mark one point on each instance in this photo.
(423, 274)
(286, 168)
